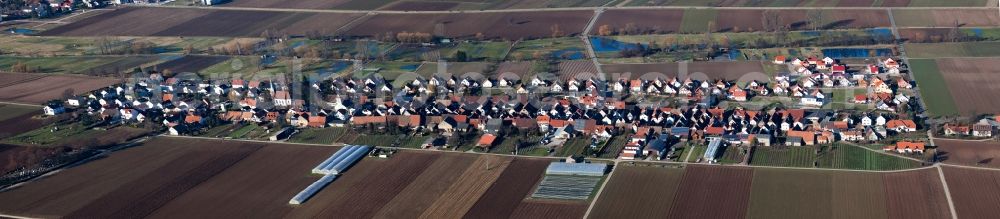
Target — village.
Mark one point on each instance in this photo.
(454, 111)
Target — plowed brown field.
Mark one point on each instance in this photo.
(705, 189)
(638, 192)
(903, 189)
(975, 192)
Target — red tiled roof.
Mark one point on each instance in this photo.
(486, 141)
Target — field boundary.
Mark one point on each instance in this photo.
(947, 193)
(616, 161)
(533, 9)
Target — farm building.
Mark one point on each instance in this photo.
(714, 147)
(564, 180)
(582, 169)
(331, 167)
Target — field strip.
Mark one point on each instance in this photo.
(947, 193)
(532, 9)
(14, 216)
(970, 167)
(526, 156)
(600, 190)
(883, 152)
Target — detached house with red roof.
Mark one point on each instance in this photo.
(906, 147)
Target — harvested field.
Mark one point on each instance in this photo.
(580, 70)
(127, 21)
(903, 188)
(7, 79)
(973, 80)
(52, 87)
(620, 199)
(741, 71)
(720, 186)
(858, 195)
(469, 187)
(944, 50)
(309, 4)
(550, 209)
(14, 157)
(646, 21)
(975, 192)
(502, 199)
(420, 6)
(784, 193)
(492, 25)
(365, 199)
(520, 70)
(971, 153)
(141, 197)
(122, 65)
(21, 123)
(191, 63)
(946, 17)
(133, 182)
(427, 187)
(779, 193)
(133, 21)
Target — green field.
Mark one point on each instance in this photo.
(732, 155)
(478, 51)
(783, 156)
(542, 48)
(52, 134)
(414, 141)
(696, 20)
(841, 156)
(574, 146)
(507, 145)
(961, 49)
(947, 3)
(318, 135)
(933, 88)
(376, 140)
(696, 152)
(71, 65)
(614, 146)
(11, 111)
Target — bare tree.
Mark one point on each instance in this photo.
(816, 18)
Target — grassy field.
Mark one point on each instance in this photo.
(318, 136)
(962, 49)
(58, 64)
(783, 156)
(478, 51)
(376, 140)
(11, 111)
(389, 70)
(697, 20)
(948, 3)
(52, 134)
(545, 47)
(933, 88)
(841, 156)
(574, 146)
(508, 144)
(696, 152)
(614, 147)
